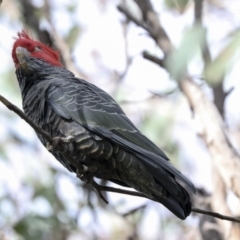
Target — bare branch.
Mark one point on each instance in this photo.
(98, 187)
(218, 89)
(31, 20)
(215, 138)
(128, 58)
(224, 157)
(198, 5)
(219, 195)
(218, 199)
(158, 34)
(132, 211)
(21, 114)
(118, 77)
(216, 215)
(48, 137)
(138, 22)
(62, 45)
(154, 59)
(122, 191)
(229, 91)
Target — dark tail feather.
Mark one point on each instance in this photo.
(180, 209)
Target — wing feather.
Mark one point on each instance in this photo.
(94, 109)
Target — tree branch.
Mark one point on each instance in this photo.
(62, 45)
(48, 137)
(226, 158)
(198, 5)
(159, 35)
(98, 187)
(22, 115)
(219, 194)
(154, 59)
(216, 215)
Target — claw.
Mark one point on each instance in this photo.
(85, 175)
(57, 141)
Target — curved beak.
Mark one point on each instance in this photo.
(21, 54)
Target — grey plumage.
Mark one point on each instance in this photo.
(105, 140)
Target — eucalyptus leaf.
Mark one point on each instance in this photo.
(179, 5)
(73, 35)
(215, 72)
(192, 41)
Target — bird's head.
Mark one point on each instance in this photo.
(25, 46)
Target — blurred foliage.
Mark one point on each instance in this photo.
(72, 36)
(215, 72)
(9, 85)
(179, 5)
(158, 127)
(190, 46)
(37, 227)
(40, 200)
(71, 7)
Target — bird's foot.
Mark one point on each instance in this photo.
(86, 175)
(59, 141)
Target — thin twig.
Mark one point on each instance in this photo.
(129, 59)
(152, 26)
(216, 215)
(62, 45)
(142, 207)
(153, 59)
(120, 190)
(198, 6)
(138, 22)
(48, 137)
(21, 114)
(197, 101)
(98, 188)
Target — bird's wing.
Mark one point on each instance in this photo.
(94, 109)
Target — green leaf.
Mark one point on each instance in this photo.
(33, 227)
(73, 35)
(71, 8)
(215, 72)
(192, 41)
(179, 5)
(158, 128)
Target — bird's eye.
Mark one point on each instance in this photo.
(38, 48)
